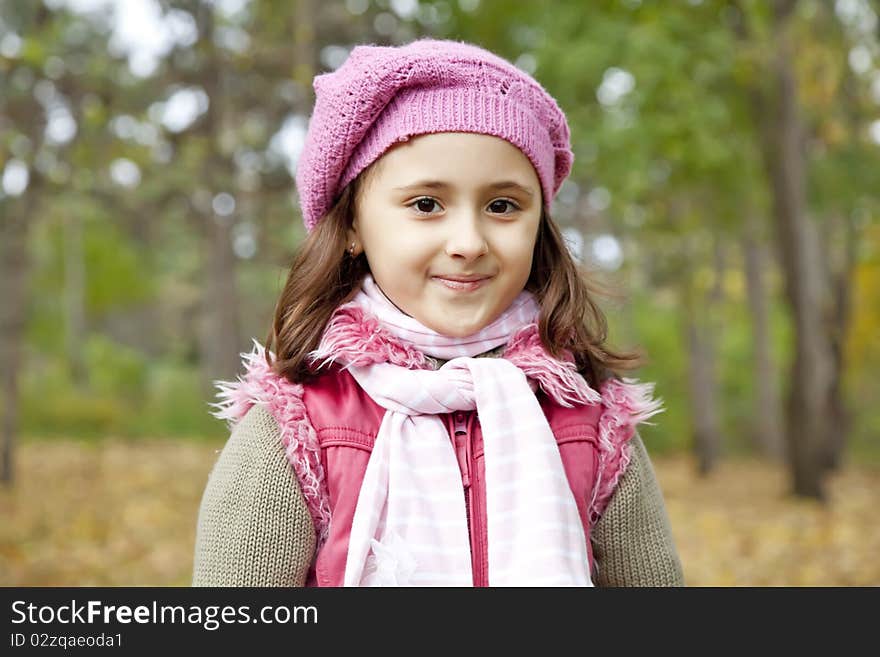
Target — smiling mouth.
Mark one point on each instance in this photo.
(462, 285)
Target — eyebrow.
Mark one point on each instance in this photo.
(439, 184)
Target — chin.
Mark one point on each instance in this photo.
(452, 329)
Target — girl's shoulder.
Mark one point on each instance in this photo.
(261, 388)
(258, 385)
(626, 403)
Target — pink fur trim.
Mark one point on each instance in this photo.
(558, 378)
(355, 338)
(626, 403)
(284, 400)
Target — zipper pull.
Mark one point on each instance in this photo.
(460, 424)
(461, 446)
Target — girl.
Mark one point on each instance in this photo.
(435, 405)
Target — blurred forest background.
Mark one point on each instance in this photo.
(727, 162)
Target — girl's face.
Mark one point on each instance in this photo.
(447, 206)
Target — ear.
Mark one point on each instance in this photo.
(352, 236)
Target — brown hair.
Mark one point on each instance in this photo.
(323, 276)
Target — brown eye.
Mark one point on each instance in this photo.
(501, 206)
(424, 205)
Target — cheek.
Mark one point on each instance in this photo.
(403, 244)
(399, 256)
(408, 243)
(518, 247)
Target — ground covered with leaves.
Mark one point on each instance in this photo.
(123, 514)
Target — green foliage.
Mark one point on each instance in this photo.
(679, 155)
(654, 326)
(52, 405)
(126, 395)
(118, 273)
(657, 330)
(175, 405)
(735, 364)
(115, 370)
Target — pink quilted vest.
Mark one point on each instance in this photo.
(328, 427)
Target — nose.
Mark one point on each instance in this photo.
(466, 238)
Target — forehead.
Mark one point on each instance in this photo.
(455, 157)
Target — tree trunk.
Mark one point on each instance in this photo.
(13, 310)
(807, 408)
(23, 114)
(700, 333)
(305, 47)
(220, 335)
(840, 275)
(74, 296)
(841, 252)
(707, 438)
(767, 428)
(224, 340)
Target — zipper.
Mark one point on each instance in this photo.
(480, 556)
(463, 450)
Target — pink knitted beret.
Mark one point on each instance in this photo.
(385, 94)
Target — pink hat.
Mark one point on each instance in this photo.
(384, 94)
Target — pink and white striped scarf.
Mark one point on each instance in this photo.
(410, 522)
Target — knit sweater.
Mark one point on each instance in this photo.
(254, 528)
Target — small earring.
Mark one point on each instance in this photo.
(351, 250)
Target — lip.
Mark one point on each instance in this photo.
(462, 283)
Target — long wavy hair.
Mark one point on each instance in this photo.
(323, 275)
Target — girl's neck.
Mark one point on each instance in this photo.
(492, 353)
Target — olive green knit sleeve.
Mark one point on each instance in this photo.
(253, 528)
(632, 541)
